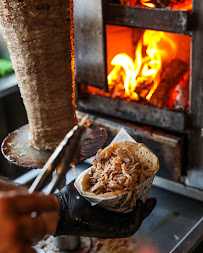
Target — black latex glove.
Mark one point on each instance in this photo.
(79, 218)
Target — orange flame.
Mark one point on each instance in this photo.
(147, 3)
(185, 5)
(152, 50)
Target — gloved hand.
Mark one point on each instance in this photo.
(79, 218)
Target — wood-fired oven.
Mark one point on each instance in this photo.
(153, 60)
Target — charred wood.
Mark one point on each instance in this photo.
(182, 98)
(143, 89)
(170, 78)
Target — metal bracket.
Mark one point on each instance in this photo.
(90, 43)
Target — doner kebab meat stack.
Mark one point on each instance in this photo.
(39, 36)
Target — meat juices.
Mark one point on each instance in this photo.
(39, 35)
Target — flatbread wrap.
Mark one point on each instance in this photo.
(123, 168)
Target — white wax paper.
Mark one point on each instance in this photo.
(123, 202)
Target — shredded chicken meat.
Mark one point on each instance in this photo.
(120, 171)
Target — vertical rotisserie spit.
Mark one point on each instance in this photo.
(39, 36)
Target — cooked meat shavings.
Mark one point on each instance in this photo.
(120, 171)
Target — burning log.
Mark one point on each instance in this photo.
(169, 79)
(182, 99)
(179, 96)
(39, 36)
(173, 4)
(143, 89)
(148, 3)
(155, 3)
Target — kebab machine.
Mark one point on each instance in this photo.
(40, 39)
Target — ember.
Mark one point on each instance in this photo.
(173, 4)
